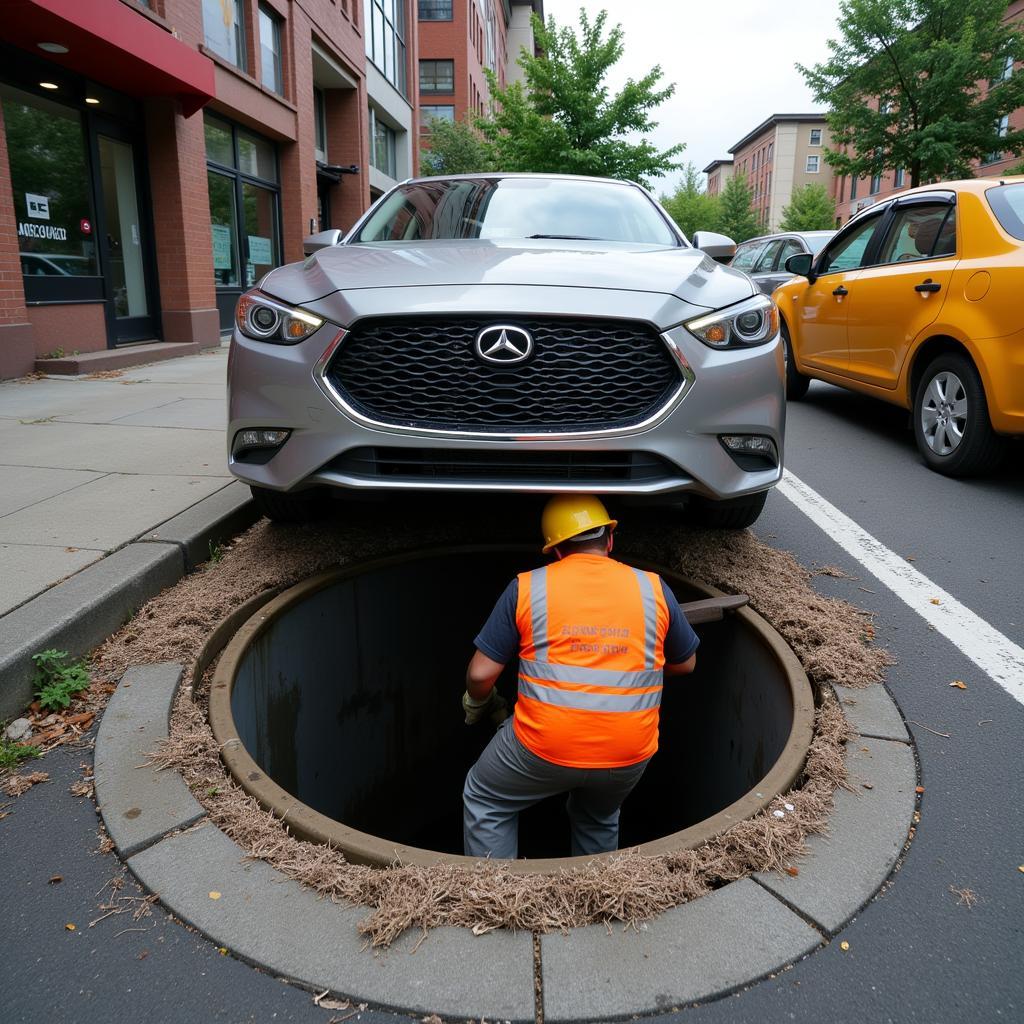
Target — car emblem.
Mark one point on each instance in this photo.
(504, 344)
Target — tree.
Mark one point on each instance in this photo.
(810, 208)
(737, 218)
(920, 84)
(691, 207)
(455, 147)
(567, 120)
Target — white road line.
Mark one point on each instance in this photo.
(992, 652)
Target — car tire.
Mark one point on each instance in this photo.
(951, 424)
(301, 507)
(796, 383)
(729, 514)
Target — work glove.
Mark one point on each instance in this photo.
(493, 706)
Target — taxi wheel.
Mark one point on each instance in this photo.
(796, 383)
(730, 514)
(301, 507)
(951, 424)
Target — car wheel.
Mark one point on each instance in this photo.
(301, 507)
(796, 383)
(730, 514)
(951, 424)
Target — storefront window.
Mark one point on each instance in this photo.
(223, 229)
(51, 181)
(260, 209)
(256, 157)
(218, 143)
(224, 30)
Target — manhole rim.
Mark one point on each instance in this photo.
(254, 617)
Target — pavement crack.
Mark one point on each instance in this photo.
(538, 981)
(819, 928)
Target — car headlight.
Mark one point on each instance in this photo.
(264, 319)
(751, 322)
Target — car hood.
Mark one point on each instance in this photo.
(684, 272)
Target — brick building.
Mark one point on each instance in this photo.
(718, 172)
(784, 152)
(458, 40)
(852, 195)
(157, 157)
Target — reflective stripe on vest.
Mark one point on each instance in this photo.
(586, 700)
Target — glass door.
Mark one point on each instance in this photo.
(123, 243)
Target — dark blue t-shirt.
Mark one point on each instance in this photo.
(499, 639)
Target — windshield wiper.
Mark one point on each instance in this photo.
(571, 238)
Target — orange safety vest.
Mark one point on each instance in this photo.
(591, 654)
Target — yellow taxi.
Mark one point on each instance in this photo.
(919, 301)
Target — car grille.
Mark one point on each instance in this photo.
(501, 466)
(583, 375)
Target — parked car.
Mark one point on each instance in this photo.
(519, 333)
(917, 302)
(764, 258)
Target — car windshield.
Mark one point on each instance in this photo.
(517, 208)
(1007, 202)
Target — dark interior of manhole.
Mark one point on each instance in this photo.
(349, 700)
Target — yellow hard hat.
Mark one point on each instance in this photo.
(568, 515)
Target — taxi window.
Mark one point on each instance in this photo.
(920, 232)
(746, 255)
(1007, 202)
(847, 252)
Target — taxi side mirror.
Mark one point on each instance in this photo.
(800, 264)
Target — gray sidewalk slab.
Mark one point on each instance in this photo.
(194, 413)
(689, 954)
(139, 804)
(872, 712)
(28, 569)
(23, 486)
(259, 915)
(80, 612)
(867, 831)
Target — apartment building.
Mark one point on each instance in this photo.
(460, 38)
(784, 152)
(854, 194)
(718, 173)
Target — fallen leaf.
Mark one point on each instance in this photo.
(143, 955)
(959, 684)
(69, 927)
(868, 785)
(71, 550)
(54, 879)
(935, 600)
(1020, 868)
(223, 950)
(326, 1003)
(214, 895)
(910, 558)
(844, 945)
(792, 870)
(919, 789)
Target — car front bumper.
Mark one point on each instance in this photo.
(731, 392)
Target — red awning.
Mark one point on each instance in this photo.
(112, 44)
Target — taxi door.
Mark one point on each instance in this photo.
(820, 310)
(903, 291)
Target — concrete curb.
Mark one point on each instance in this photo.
(699, 951)
(85, 609)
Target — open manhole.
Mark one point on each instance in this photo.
(336, 704)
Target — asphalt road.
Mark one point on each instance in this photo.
(916, 953)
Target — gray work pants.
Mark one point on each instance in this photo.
(508, 778)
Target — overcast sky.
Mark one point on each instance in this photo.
(731, 60)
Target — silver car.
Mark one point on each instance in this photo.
(524, 333)
(764, 258)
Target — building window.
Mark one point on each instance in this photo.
(385, 40)
(1002, 127)
(435, 10)
(224, 30)
(320, 124)
(242, 177)
(270, 51)
(853, 187)
(771, 149)
(432, 111)
(815, 136)
(437, 76)
(876, 184)
(812, 164)
(899, 177)
(383, 154)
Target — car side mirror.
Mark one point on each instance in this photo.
(720, 248)
(800, 264)
(321, 240)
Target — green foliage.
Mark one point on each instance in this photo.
(567, 120)
(736, 212)
(691, 207)
(906, 86)
(12, 754)
(810, 209)
(56, 683)
(216, 552)
(455, 147)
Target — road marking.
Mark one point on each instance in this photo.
(989, 649)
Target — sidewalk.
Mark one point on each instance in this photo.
(88, 464)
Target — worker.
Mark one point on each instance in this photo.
(594, 639)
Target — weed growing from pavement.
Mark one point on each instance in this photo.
(216, 552)
(55, 683)
(12, 754)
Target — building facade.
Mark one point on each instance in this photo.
(157, 157)
(718, 173)
(783, 153)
